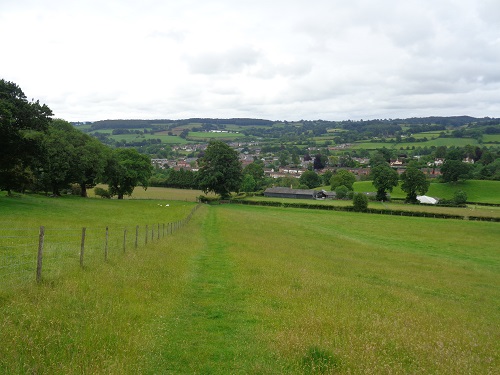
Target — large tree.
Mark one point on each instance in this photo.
(310, 179)
(413, 182)
(454, 170)
(343, 177)
(384, 180)
(126, 169)
(19, 120)
(220, 169)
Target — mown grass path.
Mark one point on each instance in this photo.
(211, 332)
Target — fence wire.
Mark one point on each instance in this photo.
(62, 248)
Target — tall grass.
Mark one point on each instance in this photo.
(246, 289)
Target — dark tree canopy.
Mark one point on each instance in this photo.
(220, 169)
(414, 182)
(384, 179)
(454, 170)
(310, 179)
(19, 120)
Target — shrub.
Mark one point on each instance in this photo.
(103, 193)
(341, 191)
(460, 197)
(360, 202)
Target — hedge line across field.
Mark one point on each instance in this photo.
(369, 210)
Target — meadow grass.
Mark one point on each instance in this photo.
(480, 191)
(263, 290)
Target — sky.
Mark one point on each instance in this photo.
(271, 59)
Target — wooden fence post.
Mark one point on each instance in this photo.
(158, 231)
(82, 246)
(106, 245)
(136, 235)
(41, 238)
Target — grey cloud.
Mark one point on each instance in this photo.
(230, 61)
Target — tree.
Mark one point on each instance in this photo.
(310, 179)
(360, 202)
(256, 170)
(248, 184)
(413, 182)
(384, 179)
(319, 162)
(326, 177)
(460, 197)
(220, 169)
(454, 170)
(125, 169)
(341, 191)
(343, 177)
(19, 120)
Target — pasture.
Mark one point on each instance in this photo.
(263, 290)
(480, 191)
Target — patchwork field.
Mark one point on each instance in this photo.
(260, 290)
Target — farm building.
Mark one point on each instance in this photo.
(283, 192)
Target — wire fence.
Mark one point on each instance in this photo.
(34, 254)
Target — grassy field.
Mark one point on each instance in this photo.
(477, 190)
(259, 290)
(461, 142)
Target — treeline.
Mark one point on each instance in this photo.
(41, 154)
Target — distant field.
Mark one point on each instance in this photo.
(186, 195)
(491, 138)
(477, 190)
(433, 142)
(260, 290)
(208, 136)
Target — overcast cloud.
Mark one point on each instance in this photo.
(280, 60)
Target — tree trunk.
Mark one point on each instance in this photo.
(83, 192)
(120, 196)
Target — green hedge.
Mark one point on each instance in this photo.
(369, 210)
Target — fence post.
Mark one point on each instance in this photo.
(158, 231)
(124, 238)
(147, 232)
(41, 238)
(136, 235)
(152, 232)
(106, 245)
(163, 232)
(82, 246)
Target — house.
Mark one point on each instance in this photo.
(283, 192)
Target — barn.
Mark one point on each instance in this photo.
(283, 192)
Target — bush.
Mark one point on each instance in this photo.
(341, 192)
(103, 193)
(460, 197)
(360, 202)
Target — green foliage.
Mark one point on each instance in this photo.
(341, 191)
(248, 184)
(384, 179)
(454, 170)
(126, 169)
(256, 170)
(310, 179)
(414, 182)
(460, 197)
(360, 202)
(343, 178)
(220, 169)
(20, 121)
(101, 192)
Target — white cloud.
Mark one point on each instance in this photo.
(328, 59)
